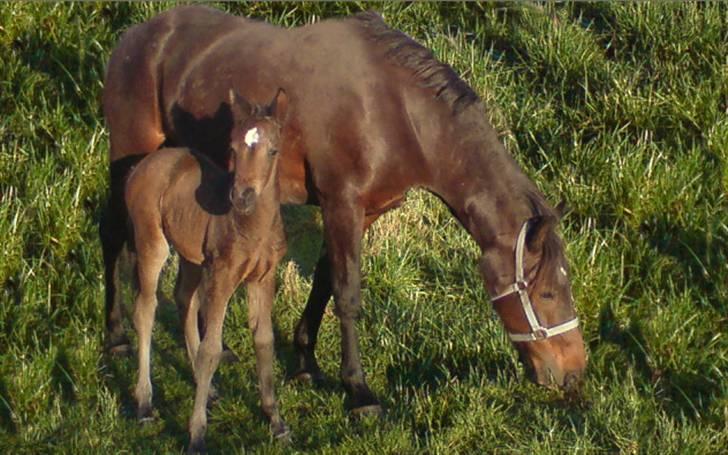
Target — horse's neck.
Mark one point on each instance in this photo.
(481, 183)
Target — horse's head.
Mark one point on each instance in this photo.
(254, 141)
(529, 279)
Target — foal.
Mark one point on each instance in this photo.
(227, 229)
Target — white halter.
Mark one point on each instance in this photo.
(538, 332)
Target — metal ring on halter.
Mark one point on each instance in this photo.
(538, 332)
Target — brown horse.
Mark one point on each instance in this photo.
(372, 114)
(226, 231)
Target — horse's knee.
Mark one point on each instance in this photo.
(348, 306)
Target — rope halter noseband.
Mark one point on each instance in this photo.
(538, 332)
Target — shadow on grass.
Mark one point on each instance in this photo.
(61, 377)
(679, 394)
(700, 254)
(6, 413)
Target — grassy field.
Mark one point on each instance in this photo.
(621, 109)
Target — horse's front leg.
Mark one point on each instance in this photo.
(344, 224)
(261, 296)
(306, 333)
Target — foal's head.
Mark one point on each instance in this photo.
(548, 340)
(254, 141)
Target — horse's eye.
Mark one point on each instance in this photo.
(547, 295)
(273, 152)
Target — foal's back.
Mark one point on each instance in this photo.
(182, 190)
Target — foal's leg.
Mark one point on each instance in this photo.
(260, 302)
(152, 252)
(344, 223)
(187, 298)
(217, 285)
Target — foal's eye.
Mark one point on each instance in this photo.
(273, 152)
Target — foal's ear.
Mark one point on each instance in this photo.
(239, 105)
(538, 228)
(279, 106)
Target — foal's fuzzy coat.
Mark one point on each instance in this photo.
(227, 229)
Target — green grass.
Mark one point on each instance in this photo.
(621, 109)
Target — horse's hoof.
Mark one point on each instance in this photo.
(227, 356)
(367, 410)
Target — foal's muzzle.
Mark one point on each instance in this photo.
(243, 199)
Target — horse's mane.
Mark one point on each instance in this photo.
(409, 54)
(553, 247)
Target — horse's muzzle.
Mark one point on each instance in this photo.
(243, 200)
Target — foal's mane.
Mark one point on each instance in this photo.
(409, 54)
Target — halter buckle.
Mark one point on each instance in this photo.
(540, 333)
(521, 285)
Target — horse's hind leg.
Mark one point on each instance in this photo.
(306, 332)
(152, 252)
(113, 233)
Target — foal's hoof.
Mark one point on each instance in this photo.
(368, 410)
(197, 447)
(118, 346)
(281, 433)
(145, 414)
(120, 350)
(309, 377)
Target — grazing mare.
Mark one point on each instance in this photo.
(226, 227)
(372, 114)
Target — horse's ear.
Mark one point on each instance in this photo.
(538, 228)
(279, 106)
(562, 209)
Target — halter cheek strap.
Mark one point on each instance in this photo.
(520, 287)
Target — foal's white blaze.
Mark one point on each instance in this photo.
(252, 137)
